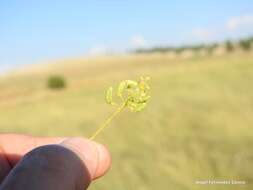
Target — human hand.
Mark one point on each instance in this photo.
(50, 163)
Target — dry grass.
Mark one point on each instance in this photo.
(197, 126)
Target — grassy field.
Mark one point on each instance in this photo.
(198, 126)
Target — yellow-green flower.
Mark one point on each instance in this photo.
(131, 94)
(134, 94)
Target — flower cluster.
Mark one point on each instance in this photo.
(131, 94)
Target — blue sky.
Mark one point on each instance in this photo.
(32, 31)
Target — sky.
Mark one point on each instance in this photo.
(33, 31)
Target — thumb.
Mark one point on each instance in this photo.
(95, 156)
(67, 166)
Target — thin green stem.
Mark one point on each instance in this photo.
(108, 120)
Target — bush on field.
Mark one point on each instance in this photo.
(229, 46)
(210, 48)
(245, 44)
(56, 82)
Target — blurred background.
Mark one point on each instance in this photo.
(57, 58)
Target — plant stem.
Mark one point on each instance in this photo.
(108, 120)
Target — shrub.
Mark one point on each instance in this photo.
(245, 44)
(210, 48)
(229, 46)
(56, 82)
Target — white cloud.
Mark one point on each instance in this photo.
(99, 50)
(138, 41)
(240, 22)
(235, 27)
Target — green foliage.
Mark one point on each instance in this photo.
(155, 49)
(56, 82)
(245, 44)
(229, 46)
(210, 48)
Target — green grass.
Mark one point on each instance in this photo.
(198, 124)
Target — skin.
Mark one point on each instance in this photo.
(28, 162)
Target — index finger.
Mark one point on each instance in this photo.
(14, 146)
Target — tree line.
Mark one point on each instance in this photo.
(229, 45)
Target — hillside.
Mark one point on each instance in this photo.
(198, 124)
